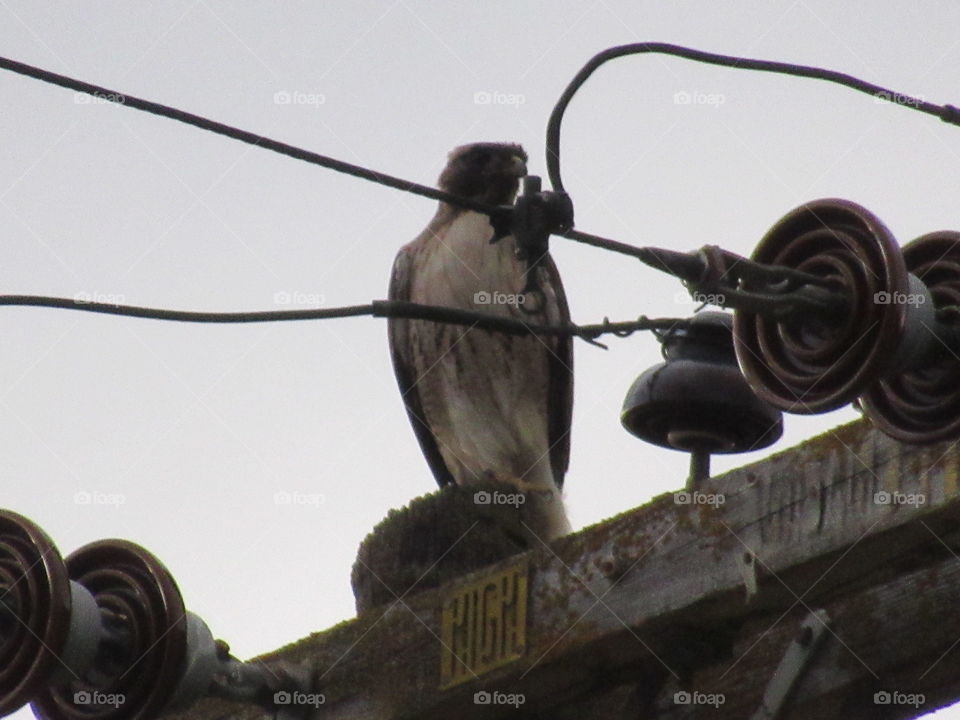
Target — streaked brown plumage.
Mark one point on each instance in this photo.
(485, 405)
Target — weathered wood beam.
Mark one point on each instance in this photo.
(670, 595)
(891, 651)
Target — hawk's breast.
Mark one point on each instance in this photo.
(484, 394)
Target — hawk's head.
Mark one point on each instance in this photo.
(486, 172)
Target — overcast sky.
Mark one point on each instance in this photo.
(182, 435)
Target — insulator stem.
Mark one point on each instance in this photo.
(699, 469)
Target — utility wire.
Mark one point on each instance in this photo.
(947, 113)
(377, 308)
(243, 135)
(279, 147)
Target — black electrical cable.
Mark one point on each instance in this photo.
(243, 135)
(276, 146)
(947, 113)
(183, 315)
(378, 308)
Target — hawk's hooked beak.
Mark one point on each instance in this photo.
(517, 167)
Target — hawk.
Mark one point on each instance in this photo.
(486, 406)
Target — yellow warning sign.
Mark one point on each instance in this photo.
(483, 625)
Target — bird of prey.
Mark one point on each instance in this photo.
(486, 406)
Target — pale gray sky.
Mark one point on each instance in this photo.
(183, 434)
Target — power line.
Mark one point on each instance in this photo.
(313, 158)
(242, 135)
(377, 308)
(947, 113)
